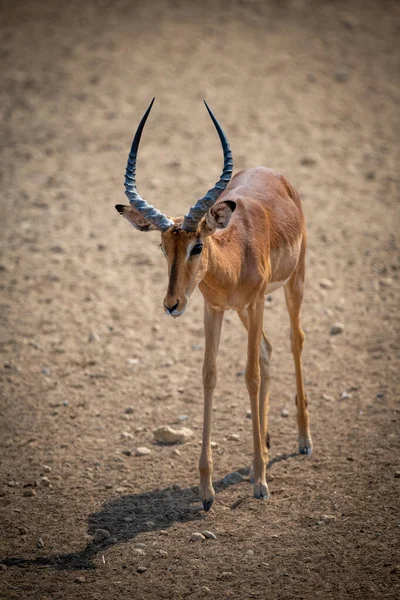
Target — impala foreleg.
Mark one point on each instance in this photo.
(253, 382)
(265, 357)
(212, 330)
(294, 297)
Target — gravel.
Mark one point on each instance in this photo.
(142, 451)
(232, 478)
(197, 537)
(337, 328)
(100, 535)
(167, 435)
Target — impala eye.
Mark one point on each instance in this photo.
(197, 249)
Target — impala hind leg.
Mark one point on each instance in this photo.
(294, 297)
(212, 331)
(265, 357)
(255, 316)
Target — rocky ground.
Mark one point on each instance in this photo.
(90, 366)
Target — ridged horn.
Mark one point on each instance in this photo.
(197, 211)
(147, 210)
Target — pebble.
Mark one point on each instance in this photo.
(197, 537)
(40, 543)
(337, 328)
(176, 452)
(126, 435)
(345, 396)
(80, 579)
(326, 397)
(209, 535)
(44, 481)
(139, 551)
(386, 281)
(23, 530)
(163, 532)
(150, 524)
(46, 469)
(249, 552)
(284, 412)
(127, 452)
(248, 414)
(205, 589)
(233, 437)
(214, 444)
(341, 76)
(162, 553)
(29, 493)
(397, 474)
(132, 361)
(93, 337)
(46, 371)
(141, 569)
(328, 517)
(142, 451)
(167, 435)
(326, 284)
(100, 535)
(183, 418)
(129, 410)
(232, 478)
(308, 161)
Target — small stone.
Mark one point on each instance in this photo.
(232, 478)
(308, 161)
(337, 328)
(23, 530)
(248, 414)
(162, 553)
(129, 410)
(240, 373)
(182, 418)
(176, 452)
(126, 435)
(326, 397)
(112, 540)
(163, 532)
(142, 451)
(181, 390)
(197, 347)
(80, 579)
(233, 437)
(197, 537)
(93, 337)
(3, 567)
(46, 371)
(328, 517)
(127, 452)
(139, 551)
(345, 395)
(100, 535)
(140, 545)
(348, 21)
(341, 76)
(249, 552)
(386, 281)
(127, 519)
(40, 543)
(46, 469)
(370, 175)
(141, 569)
(132, 361)
(326, 284)
(205, 589)
(167, 435)
(150, 524)
(29, 493)
(284, 412)
(214, 444)
(397, 474)
(44, 481)
(209, 535)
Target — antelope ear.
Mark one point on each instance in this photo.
(219, 215)
(135, 218)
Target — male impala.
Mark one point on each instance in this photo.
(245, 238)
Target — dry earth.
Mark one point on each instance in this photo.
(308, 88)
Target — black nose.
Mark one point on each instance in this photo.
(172, 308)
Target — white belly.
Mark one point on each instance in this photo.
(274, 285)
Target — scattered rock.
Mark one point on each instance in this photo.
(46, 469)
(249, 552)
(139, 551)
(284, 412)
(233, 437)
(46, 371)
(100, 535)
(341, 76)
(167, 435)
(386, 281)
(326, 284)
(176, 452)
(182, 418)
(326, 397)
(141, 569)
(163, 532)
(126, 435)
(209, 535)
(232, 478)
(308, 161)
(197, 537)
(40, 543)
(397, 474)
(129, 410)
(149, 524)
(23, 530)
(345, 395)
(29, 493)
(142, 451)
(240, 373)
(44, 481)
(93, 337)
(80, 579)
(348, 21)
(132, 361)
(181, 390)
(337, 328)
(248, 414)
(214, 444)
(205, 589)
(127, 452)
(328, 518)
(162, 553)
(370, 175)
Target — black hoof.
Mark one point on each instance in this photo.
(306, 450)
(207, 504)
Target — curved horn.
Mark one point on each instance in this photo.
(204, 204)
(149, 212)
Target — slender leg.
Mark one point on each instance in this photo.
(294, 297)
(265, 357)
(253, 382)
(212, 331)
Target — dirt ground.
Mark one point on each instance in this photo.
(308, 88)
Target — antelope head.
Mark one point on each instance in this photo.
(184, 240)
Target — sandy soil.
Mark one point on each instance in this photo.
(308, 88)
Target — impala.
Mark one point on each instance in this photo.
(245, 238)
